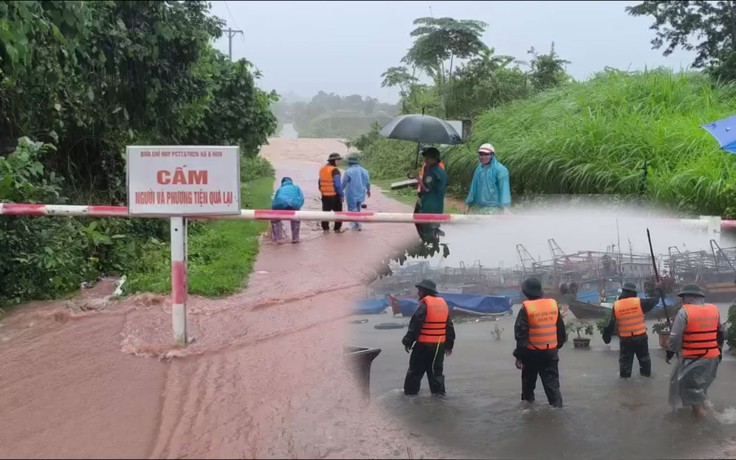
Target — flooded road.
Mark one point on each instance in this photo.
(265, 377)
(604, 416)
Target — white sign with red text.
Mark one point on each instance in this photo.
(183, 180)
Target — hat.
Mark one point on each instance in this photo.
(353, 160)
(629, 287)
(334, 156)
(532, 287)
(431, 152)
(428, 285)
(692, 290)
(486, 148)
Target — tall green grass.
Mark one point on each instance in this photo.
(594, 137)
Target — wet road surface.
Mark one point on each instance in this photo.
(265, 377)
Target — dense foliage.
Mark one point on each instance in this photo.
(466, 75)
(619, 133)
(707, 27)
(86, 79)
(594, 137)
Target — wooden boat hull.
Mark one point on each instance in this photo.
(584, 310)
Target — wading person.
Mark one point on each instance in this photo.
(490, 191)
(331, 189)
(539, 333)
(432, 194)
(627, 320)
(288, 197)
(697, 337)
(357, 185)
(432, 335)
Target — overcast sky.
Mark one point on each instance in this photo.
(344, 47)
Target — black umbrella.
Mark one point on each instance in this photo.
(421, 128)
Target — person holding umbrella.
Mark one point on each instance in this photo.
(489, 190)
(431, 198)
(331, 190)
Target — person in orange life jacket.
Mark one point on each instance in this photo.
(627, 318)
(539, 332)
(432, 335)
(331, 190)
(697, 335)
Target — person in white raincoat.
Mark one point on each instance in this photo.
(697, 338)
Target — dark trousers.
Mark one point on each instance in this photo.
(544, 364)
(427, 232)
(426, 358)
(331, 203)
(638, 346)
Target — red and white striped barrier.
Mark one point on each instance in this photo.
(268, 214)
(711, 224)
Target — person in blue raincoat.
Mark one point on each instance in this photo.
(489, 191)
(288, 197)
(356, 184)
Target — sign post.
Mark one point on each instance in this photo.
(180, 182)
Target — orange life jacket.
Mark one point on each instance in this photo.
(326, 183)
(542, 315)
(629, 317)
(421, 175)
(700, 337)
(435, 324)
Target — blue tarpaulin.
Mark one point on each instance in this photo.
(724, 131)
(371, 307)
(589, 296)
(485, 304)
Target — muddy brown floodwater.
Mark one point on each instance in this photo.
(264, 378)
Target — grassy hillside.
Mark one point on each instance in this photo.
(594, 137)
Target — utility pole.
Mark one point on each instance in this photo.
(230, 34)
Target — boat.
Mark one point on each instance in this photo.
(371, 306)
(713, 271)
(594, 310)
(585, 310)
(459, 304)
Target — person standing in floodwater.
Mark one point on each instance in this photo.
(432, 335)
(288, 197)
(697, 336)
(539, 333)
(431, 198)
(357, 184)
(490, 191)
(331, 190)
(627, 319)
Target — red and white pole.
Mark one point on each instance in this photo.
(179, 279)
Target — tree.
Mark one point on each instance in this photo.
(438, 40)
(679, 22)
(442, 39)
(547, 70)
(485, 82)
